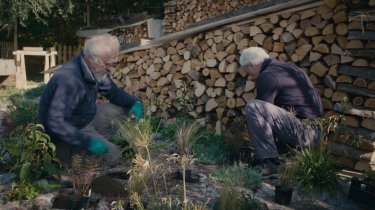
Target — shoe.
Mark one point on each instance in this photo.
(268, 167)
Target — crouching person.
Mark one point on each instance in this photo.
(284, 97)
(68, 108)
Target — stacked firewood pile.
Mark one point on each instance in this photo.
(179, 14)
(129, 34)
(200, 74)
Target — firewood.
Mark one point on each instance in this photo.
(302, 51)
(283, 23)
(344, 79)
(370, 103)
(322, 48)
(339, 96)
(342, 41)
(358, 101)
(228, 93)
(316, 40)
(240, 102)
(328, 93)
(313, 79)
(340, 17)
(327, 104)
(274, 18)
(307, 14)
(350, 121)
(232, 68)
(231, 49)
(286, 37)
(254, 30)
(221, 55)
(211, 104)
(230, 77)
(231, 86)
(360, 82)
(278, 47)
(360, 62)
(342, 29)
(314, 56)
(331, 59)
(211, 62)
(369, 124)
(336, 50)
(371, 86)
(231, 103)
(354, 44)
(221, 82)
(237, 37)
(244, 43)
(316, 20)
(266, 27)
(259, 38)
(319, 69)
(325, 12)
(248, 96)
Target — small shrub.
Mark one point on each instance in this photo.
(22, 191)
(83, 171)
(238, 175)
(210, 149)
(315, 172)
(32, 152)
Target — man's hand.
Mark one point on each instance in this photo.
(97, 147)
(137, 109)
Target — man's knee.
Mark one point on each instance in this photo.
(253, 105)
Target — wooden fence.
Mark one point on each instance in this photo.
(6, 50)
(65, 53)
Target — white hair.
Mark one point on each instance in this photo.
(101, 44)
(253, 55)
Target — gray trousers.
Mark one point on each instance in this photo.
(101, 127)
(267, 122)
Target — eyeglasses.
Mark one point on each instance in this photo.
(114, 64)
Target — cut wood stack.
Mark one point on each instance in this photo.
(200, 74)
(131, 33)
(179, 14)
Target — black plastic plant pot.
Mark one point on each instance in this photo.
(188, 175)
(359, 192)
(283, 196)
(71, 203)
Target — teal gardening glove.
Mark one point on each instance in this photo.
(97, 147)
(137, 109)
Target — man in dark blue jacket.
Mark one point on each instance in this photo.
(284, 97)
(68, 108)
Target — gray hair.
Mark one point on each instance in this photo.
(253, 55)
(101, 44)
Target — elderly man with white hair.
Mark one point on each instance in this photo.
(284, 97)
(68, 108)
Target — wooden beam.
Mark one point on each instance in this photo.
(367, 53)
(366, 73)
(356, 110)
(364, 35)
(355, 90)
(269, 7)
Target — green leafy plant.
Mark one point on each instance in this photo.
(238, 175)
(210, 149)
(234, 178)
(315, 172)
(33, 153)
(22, 191)
(83, 171)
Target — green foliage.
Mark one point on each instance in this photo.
(238, 175)
(232, 199)
(210, 149)
(287, 174)
(22, 191)
(25, 106)
(315, 172)
(32, 152)
(187, 134)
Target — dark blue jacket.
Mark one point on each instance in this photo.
(68, 101)
(287, 86)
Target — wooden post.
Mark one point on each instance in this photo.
(46, 66)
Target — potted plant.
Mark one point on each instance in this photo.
(284, 191)
(186, 135)
(363, 191)
(83, 171)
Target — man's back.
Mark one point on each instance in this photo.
(289, 87)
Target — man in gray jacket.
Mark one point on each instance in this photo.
(68, 108)
(284, 97)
